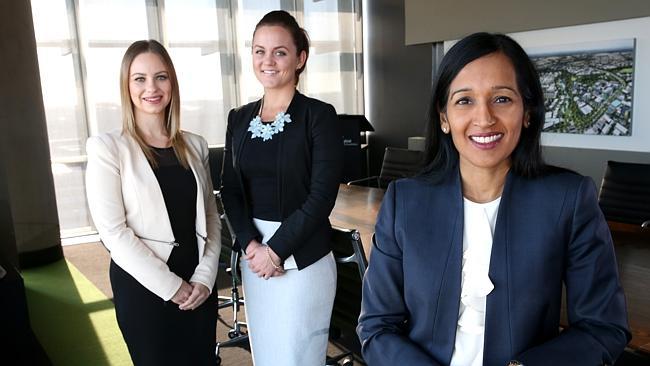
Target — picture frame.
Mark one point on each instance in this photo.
(599, 35)
(588, 87)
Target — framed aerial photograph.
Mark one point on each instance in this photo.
(596, 80)
(588, 87)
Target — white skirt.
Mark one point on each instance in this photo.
(289, 316)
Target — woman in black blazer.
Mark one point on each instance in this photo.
(282, 167)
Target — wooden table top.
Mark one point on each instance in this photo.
(633, 257)
(356, 208)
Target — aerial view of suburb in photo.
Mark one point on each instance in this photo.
(587, 87)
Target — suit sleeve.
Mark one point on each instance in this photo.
(206, 271)
(232, 195)
(104, 190)
(598, 329)
(384, 314)
(326, 169)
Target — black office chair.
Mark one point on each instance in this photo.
(397, 163)
(237, 336)
(215, 157)
(351, 264)
(630, 357)
(625, 194)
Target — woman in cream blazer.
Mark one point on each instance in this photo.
(128, 209)
(150, 196)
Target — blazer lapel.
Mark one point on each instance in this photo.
(148, 190)
(240, 132)
(294, 112)
(449, 230)
(200, 178)
(497, 337)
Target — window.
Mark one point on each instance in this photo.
(58, 61)
(199, 42)
(81, 44)
(106, 29)
(334, 69)
(335, 61)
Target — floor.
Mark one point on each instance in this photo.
(93, 260)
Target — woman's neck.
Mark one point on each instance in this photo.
(483, 185)
(152, 130)
(276, 101)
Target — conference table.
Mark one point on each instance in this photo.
(357, 207)
(633, 257)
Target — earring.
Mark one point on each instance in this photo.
(444, 129)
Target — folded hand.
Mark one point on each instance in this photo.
(199, 294)
(259, 261)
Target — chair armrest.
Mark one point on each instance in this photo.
(357, 181)
(645, 224)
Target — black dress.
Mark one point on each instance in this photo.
(260, 172)
(157, 332)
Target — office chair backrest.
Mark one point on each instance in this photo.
(228, 242)
(625, 193)
(399, 163)
(347, 248)
(351, 264)
(215, 155)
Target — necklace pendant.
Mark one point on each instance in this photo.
(265, 131)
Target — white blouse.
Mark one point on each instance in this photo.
(478, 232)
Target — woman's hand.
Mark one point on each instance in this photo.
(259, 261)
(199, 294)
(182, 294)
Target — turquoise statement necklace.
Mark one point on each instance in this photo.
(265, 131)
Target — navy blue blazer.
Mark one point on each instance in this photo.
(549, 231)
(309, 166)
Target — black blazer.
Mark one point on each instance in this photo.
(310, 162)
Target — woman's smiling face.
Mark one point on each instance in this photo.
(149, 85)
(275, 57)
(485, 113)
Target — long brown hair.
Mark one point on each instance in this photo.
(172, 111)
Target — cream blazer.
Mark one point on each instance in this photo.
(129, 211)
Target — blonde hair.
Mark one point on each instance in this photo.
(172, 111)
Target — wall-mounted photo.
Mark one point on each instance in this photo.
(588, 87)
(597, 81)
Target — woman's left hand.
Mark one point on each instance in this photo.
(199, 294)
(259, 261)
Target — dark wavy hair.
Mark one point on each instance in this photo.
(299, 35)
(441, 155)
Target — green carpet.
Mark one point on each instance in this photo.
(73, 320)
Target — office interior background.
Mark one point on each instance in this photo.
(389, 46)
(59, 62)
(80, 47)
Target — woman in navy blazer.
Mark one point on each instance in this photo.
(428, 297)
(281, 171)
